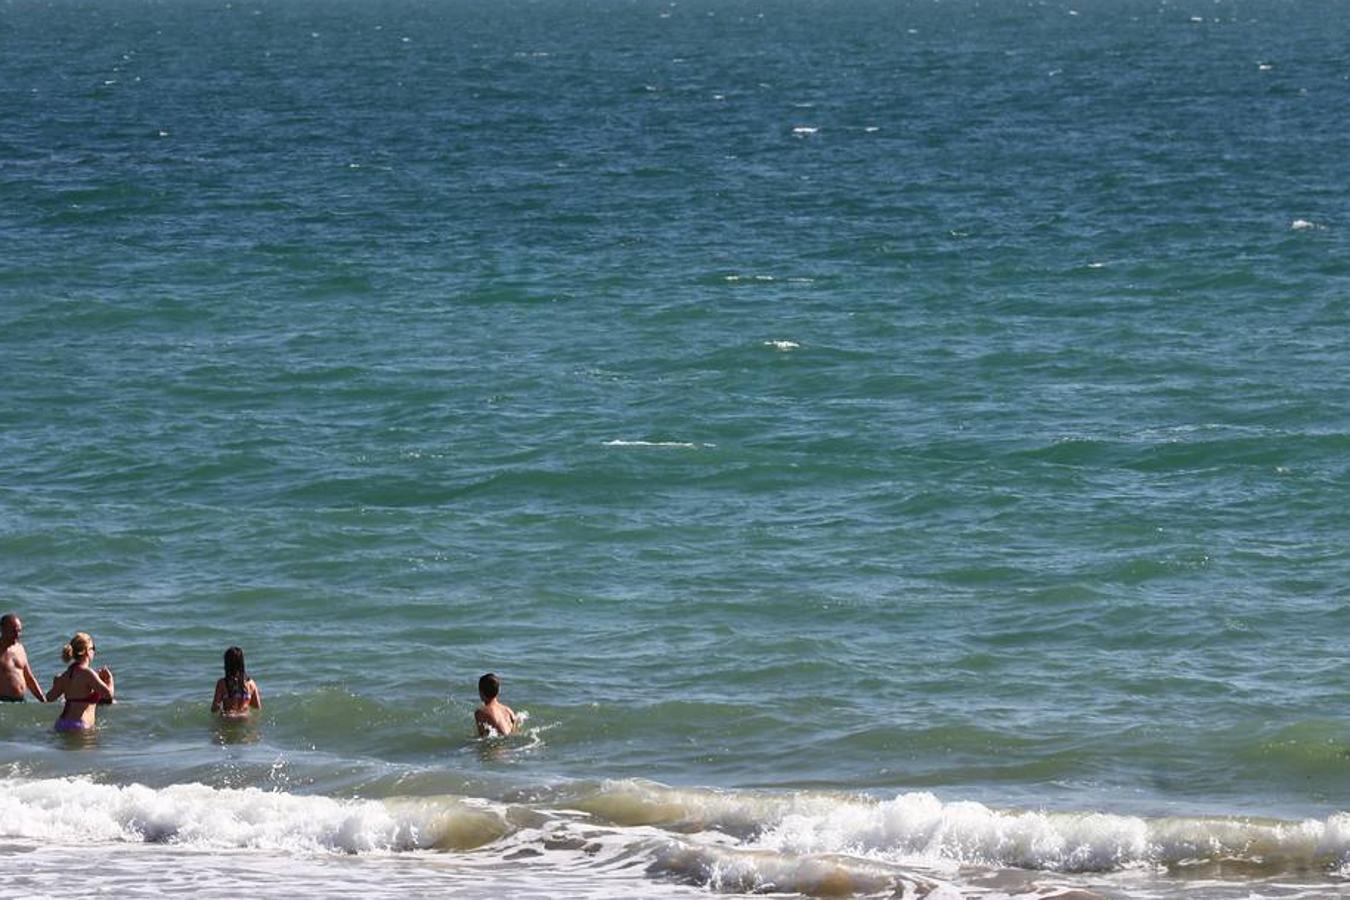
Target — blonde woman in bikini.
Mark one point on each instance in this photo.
(80, 685)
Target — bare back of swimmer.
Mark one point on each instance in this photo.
(81, 686)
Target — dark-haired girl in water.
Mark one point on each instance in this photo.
(82, 687)
(236, 693)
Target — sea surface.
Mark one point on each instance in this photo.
(887, 448)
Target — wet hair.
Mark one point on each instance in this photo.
(236, 677)
(489, 686)
(7, 621)
(78, 648)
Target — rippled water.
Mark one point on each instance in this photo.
(884, 447)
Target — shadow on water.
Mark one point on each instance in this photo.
(81, 739)
(229, 730)
(494, 748)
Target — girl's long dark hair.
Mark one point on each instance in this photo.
(236, 678)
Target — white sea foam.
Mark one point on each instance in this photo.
(729, 870)
(783, 346)
(817, 844)
(152, 871)
(918, 829)
(804, 130)
(921, 827)
(684, 445)
(1304, 225)
(77, 810)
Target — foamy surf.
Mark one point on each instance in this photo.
(739, 842)
(78, 810)
(920, 829)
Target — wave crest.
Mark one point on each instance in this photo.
(74, 810)
(918, 829)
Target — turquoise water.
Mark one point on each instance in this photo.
(868, 439)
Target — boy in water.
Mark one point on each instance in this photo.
(493, 717)
(15, 674)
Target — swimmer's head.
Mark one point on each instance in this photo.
(234, 661)
(489, 686)
(10, 627)
(79, 648)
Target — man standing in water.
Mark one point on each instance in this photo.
(493, 718)
(15, 674)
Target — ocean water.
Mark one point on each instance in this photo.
(887, 449)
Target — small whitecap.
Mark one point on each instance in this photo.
(313, 34)
(406, 40)
(719, 96)
(1096, 265)
(163, 133)
(679, 445)
(733, 278)
(804, 130)
(911, 31)
(764, 278)
(1073, 12)
(871, 129)
(1197, 18)
(1303, 225)
(1264, 67)
(783, 346)
(353, 165)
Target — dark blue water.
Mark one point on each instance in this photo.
(862, 398)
